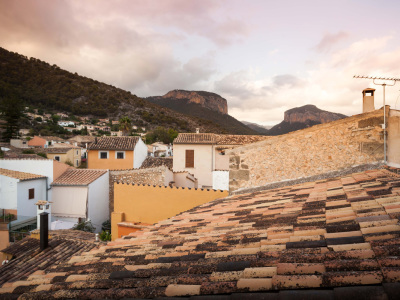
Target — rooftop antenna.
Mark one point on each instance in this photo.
(392, 81)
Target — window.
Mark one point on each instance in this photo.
(77, 152)
(57, 158)
(189, 159)
(103, 154)
(77, 163)
(120, 155)
(31, 193)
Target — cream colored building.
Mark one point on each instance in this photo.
(203, 155)
(68, 154)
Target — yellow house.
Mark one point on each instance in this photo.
(69, 154)
(116, 153)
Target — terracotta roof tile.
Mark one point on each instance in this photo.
(20, 175)
(115, 143)
(258, 244)
(78, 177)
(29, 262)
(217, 139)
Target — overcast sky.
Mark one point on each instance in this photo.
(263, 56)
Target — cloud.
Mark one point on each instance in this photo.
(130, 44)
(328, 83)
(330, 40)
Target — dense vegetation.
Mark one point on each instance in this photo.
(228, 123)
(38, 84)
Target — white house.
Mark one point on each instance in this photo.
(48, 168)
(81, 195)
(19, 191)
(66, 123)
(203, 155)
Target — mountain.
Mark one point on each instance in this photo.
(302, 117)
(41, 85)
(204, 105)
(204, 99)
(259, 128)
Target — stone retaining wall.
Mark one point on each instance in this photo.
(328, 147)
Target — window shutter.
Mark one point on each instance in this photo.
(31, 193)
(189, 159)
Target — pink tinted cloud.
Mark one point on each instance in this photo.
(330, 40)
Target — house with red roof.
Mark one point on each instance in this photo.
(116, 153)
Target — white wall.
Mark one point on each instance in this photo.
(221, 180)
(169, 176)
(140, 154)
(8, 192)
(26, 206)
(98, 210)
(203, 162)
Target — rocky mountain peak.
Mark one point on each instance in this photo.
(309, 113)
(205, 99)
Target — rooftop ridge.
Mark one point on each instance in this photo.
(291, 182)
(166, 186)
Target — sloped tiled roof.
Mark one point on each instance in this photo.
(56, 149)
(217, 139)
(78, 177)
(115, 143)
(20, 175)
(319, 240)
(28, 259)
(152, 162)
(52, 138)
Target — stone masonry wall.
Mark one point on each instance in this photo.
(316, 150)
(150, 176)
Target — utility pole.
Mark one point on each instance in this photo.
(392, 81)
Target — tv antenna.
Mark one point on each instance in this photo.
(392, 81)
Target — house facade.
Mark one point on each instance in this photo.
(80, 195)
(70, 154)
(115, 153)
(203, 155)
(19, 191)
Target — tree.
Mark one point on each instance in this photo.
(125, 126)
(11, 110)
(160, 134)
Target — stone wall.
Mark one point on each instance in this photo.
(328, 147)
(151, 176)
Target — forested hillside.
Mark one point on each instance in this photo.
(40, 85)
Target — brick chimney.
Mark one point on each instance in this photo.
(368, 100)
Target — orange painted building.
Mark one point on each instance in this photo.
(116, 153)
(136, 206)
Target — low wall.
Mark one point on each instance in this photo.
(328, 147)
(150, 204)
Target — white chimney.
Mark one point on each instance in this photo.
(197, 130)
(368, 100)
(43, 206)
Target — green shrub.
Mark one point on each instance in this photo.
(28, 151)
(85, 226)
(105, 236)
(42, 154)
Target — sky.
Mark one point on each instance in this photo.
(262, 56)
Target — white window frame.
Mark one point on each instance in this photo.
(108, 155)
(116, 154)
